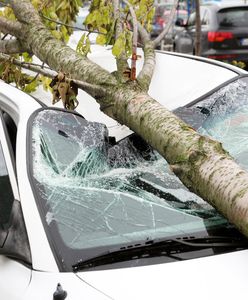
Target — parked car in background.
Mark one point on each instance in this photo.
(158, 22)
(89, 211)
(180, 20)
(160, 19)
(224, 30)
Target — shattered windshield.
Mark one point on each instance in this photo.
(227, 119)
(98, 193)
(94, 192)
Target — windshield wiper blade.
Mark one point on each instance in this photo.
(160, 247)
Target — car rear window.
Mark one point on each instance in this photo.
(233, 17)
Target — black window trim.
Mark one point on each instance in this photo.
(11, 166)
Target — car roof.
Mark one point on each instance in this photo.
(17, 103)
(222, 5)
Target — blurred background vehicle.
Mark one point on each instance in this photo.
(180, 20)
(224, 32)
(161, 17)
(158, 22)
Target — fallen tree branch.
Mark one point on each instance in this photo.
(70, 26)
(50, 73)
(11, 47)
(10, 27)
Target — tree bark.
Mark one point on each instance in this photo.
(201, 163)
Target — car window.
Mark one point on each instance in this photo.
(233, 17)
(205, 18)
(226, 119)
(6, 194)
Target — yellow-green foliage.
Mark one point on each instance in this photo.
(239, 64)
(64, 11)
(123, 44)
(11, 73)
(83, 46)
(144, 10)
(101, 19)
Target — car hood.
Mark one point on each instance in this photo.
(222, 276)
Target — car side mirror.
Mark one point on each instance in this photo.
(180, 22)
(13, 239)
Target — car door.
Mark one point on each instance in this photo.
(15, 269)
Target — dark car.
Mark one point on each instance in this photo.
(224, 33)
(158, 22)
(160, 19)
(180, 20)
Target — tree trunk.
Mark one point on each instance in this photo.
(200, 163)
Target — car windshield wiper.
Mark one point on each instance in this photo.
(161, 247)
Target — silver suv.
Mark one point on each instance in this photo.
(224, 33)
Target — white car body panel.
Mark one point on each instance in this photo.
(44, 284)
(15, 279)
(42, 256)
(215, 277)
(171, 72)
(220, 276)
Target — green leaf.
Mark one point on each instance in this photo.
(101, 39)
(31, 87)
(27, 57)
(129, 41)
(56, 34)
(83, 46)
(45, 82)
(119, 46)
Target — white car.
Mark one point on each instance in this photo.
(89, 211)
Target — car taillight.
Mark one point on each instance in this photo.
(223, 57)
(219, 36)
(161, 22)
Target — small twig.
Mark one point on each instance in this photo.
(51, 74)
(4, 4)
(135, 40)
(70, 26)
(4, 36)
(34, 78)
(11, 46)
(13, 28)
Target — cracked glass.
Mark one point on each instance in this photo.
(227, 119)
(96, 192)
